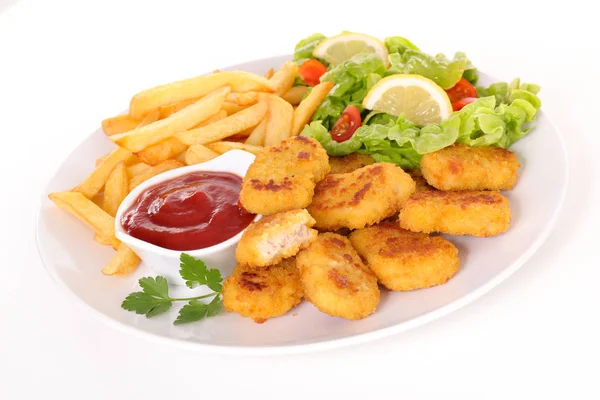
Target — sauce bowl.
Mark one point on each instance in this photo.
(165, 262)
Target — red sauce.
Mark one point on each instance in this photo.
(190, 212)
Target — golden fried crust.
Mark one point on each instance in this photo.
(335, 280)
(362, 197)
(264, 293)
(404, 260)
(275, 237)
(476, 213)
(420, 181)
(349, 163)
(283, 177)
(461, 167)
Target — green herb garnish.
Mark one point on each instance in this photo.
(154, 298)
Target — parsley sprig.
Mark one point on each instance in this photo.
(154, 298)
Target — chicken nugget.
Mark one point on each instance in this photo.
(264, 293)
(476, 213)
(403, 260)
(362, 197)
(275, 237)
(335, 280)
(420, 181)
(461, 167)
(349, 163)
(283, 177)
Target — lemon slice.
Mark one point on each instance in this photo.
(340, 48)
(420, 99)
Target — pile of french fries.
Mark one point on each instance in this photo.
(183, 123)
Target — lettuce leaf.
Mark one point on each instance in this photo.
(439, 69)
(485, 122)
(316, 130)
(304, 48)
(397, 44)
(353, 79)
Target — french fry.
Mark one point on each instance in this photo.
(226, 127)
(88, 212)
(269, 73)
(166, 111)
(150, 118)
(96, 180)
(151, 99)
(122, 263)
(223, 147)
(217, 117)
(283, 79)
(136, 169)
(140, 138)
(102, 240)
(101, 159)
(153, 171)
(198, 153)
(279, 121)
(239, 137)
(232, 108)
(119, 124)
(116, 189)
(309, 105)
(242, 99)
(295, 94)
(257, 137)
(162, 151)
(130, 161)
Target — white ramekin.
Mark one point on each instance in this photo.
(165, 262)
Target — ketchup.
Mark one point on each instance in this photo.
(189, 212)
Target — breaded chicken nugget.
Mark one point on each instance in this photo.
(461, 167)
(403, 260)
(283, 177)
(335, 280)
(477, 213)
(275, 237)
(264, 293)
(362, 197)
(419, 179)
(349, 163)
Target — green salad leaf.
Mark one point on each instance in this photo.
(485, 122)
(353, 79)
(398, 44)
(440, 69)
(304, 48)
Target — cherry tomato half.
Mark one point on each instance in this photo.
(311, 71)
(459, 104)
(346, 125)
(462, 89)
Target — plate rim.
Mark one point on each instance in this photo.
(328, 344)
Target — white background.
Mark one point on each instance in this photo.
(64, 66)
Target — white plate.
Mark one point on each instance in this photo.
(74, 260)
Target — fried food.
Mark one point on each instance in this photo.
(461, 167)
(420, 180)
(263, 293)
(335, 280)
(403, 260)
(275, 237)
(476, 213)
(283, 177)
(362, 197)
(349, 163)
(123, 262)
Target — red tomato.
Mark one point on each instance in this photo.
(459, 104)
(311, 71)
(346, 125)
(462, 89)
